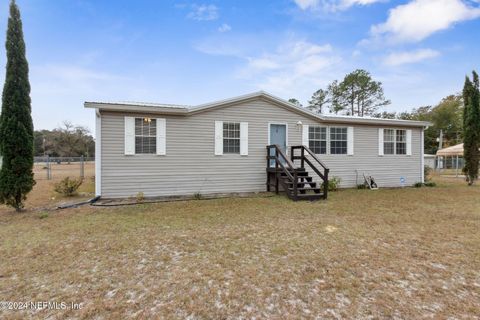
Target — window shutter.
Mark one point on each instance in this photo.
(305, 138)
(409, 142)
(129, 135)
(350, 141)
(218, 138)
(244, 138)
(380, 142)
(161, 136)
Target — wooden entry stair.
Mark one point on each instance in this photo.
(291, 176)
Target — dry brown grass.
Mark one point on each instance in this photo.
(398, 253)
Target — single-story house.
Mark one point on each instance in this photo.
(222, 148)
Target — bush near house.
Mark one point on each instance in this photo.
(68, 186)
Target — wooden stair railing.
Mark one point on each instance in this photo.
(295, 181)
(282, 162)
(303, 159)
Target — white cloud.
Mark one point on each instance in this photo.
(332, 5)
(307, 4)
(418, 19)
(203, 12)
(224, 28)
(295, 67)
(405, 57)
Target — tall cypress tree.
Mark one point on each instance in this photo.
(471, 128)
(16, 127)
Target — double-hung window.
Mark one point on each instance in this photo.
(394, 141)
(401, 142)
(317, 139)
(145, 136)
(231, 137)
(338, 140)
(389, 141)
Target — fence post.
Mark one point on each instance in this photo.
(49, 174)
(82, 167)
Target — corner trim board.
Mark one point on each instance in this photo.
(98, 153)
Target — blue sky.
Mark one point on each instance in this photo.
(195, 52)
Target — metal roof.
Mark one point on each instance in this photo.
(162, 108)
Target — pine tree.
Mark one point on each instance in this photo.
(16, 127)
(295, 102)
(319, 99)
(471, 128)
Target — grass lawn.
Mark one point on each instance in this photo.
(392, 253)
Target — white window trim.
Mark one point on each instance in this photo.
(408, 142)
(349, 148)
(329, 141)
(243, 139)
(327, 136)
(239, 138)
(157, 150)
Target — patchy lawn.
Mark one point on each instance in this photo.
(398, 253)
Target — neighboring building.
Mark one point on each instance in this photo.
(220, 147)
(450, 158)
(429, 160)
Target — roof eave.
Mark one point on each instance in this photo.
(392, 122)
(246, 97)
(135, 108)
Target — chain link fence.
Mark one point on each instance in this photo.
(56, 168)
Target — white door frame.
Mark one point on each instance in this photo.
(286, 136)
(286, 132)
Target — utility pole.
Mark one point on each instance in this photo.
(440, 140)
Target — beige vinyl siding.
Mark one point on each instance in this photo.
(190, 165)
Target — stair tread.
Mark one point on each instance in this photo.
(306, 188)
(300, 182)
(299, 174)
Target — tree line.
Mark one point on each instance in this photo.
(68, 140)
(446, 118)
(358, 94)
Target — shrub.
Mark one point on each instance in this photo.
(197, 196)
(334, 183)
(43, 215)
(140, 196)
(430, 184)
(418, 184)
(68, 186)
(361, 186)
